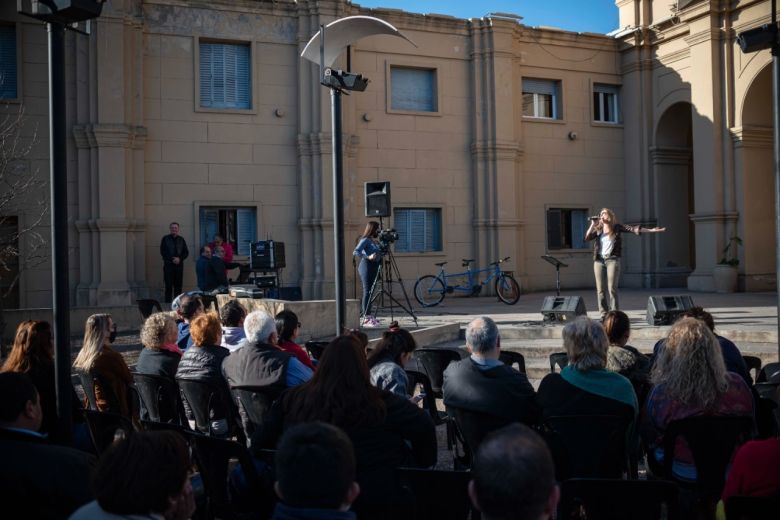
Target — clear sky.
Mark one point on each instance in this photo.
(600, 16)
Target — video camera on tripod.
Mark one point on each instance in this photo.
(387, 237)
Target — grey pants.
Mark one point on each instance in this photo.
(611, 268)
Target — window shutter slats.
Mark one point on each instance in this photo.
(419, 229)
(413, 89)
(225, 75)
(540, 86)
(246, 232)
(8, 65)
(209, 225)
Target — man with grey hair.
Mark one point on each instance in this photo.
(486, 388)
(259, 362)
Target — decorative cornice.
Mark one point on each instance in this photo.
(315, 223)
(638, 65)
(672, 57)
(752, 136)
(668, 155)
(711, 34)
(502, 150)
(109, 136)
(110, 225)
(493, 223)
(319, 143)
(726, 216)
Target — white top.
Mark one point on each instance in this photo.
(606, 245)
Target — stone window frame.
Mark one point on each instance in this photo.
(558, 101)
(412, 64)
(198, 204)
(619, 92)
(253, 74)
(566, 207)
(19, 65)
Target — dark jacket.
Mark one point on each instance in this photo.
(158, 362)
(184, 339)
(42, 480)
(42, 375)
(500, 391)
(221, 268)
(285, 512)
(617, 247)
(633, 365)
(203, 364)
(208, 280)
(732, 357)
(556, 396)
(171, 246)
(406, 437)
(257, 365)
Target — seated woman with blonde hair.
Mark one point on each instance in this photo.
(690, 379)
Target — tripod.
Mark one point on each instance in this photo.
(383, 287)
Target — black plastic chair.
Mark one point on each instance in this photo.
(753, 365)
(437, 494)
(148, 306)
(767, 391)
(588, 446)
(511, 359)
(429, 401)
(769, 373)
(253, 404)
(209, 402)
(559, 359)
(161, 398)
(712, 441)
(615, 499)
(215, 461)
(752, 508)
(104, 427)
(473, 428)
(315, 348)
(88, 381)
(433, 362)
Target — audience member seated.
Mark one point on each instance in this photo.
(37, 479)
(190, 307)
(625, 359)
(482, 383)
(206, 271)
(388, 359)
(287, 329)
(145, 475)
(33, 354)
(160, 355)
(514, 477)
(98, 358)
(690, 379)
(732, 357)
(315, 474)
(387, 431)
(585, 387)
(260, 362)
(232, 315)
(203, 362)
(755, 472)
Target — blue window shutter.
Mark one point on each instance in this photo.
(419, 229)
(413, 89)
(247, 229)
(579, 224)
(225, 75)
(539, 86)
(401, 221)
(209, 225)
(417, 225)
(433, 233)
(8, 65)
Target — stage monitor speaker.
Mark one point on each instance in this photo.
(267, 254)
(290, 294)
(664, 310)
(563, 308)
(377, 197)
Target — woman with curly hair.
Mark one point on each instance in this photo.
(690, 379)
(160, 355)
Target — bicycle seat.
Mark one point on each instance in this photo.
(440, 263)
(467, 261)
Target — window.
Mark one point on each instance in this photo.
(413, 89)
(237, 226)
(419, 230)
(9, 262)
(542, 98)
(225, 75)
(566, 228)
(8, 79)
(606, 107)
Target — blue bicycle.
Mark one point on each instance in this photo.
(430, 289)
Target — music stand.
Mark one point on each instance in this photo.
(558, 264)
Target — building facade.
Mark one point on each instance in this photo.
(498, 139)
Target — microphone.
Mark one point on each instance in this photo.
(594, 217)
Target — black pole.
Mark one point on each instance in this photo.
(338, 207)
(776, 93)
(59, 227)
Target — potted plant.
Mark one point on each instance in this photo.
(724, 274)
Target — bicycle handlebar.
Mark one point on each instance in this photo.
(500, 261)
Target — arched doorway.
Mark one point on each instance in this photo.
(672, 160)
(755, 185)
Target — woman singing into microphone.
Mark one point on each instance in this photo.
(605, 231)
(370, 254)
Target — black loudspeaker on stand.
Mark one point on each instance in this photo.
(664, 310)
(377, 199)
(563, 308)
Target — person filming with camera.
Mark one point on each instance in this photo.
(369, 251)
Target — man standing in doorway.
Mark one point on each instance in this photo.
(173, 249)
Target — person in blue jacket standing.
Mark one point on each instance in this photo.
(370, 253)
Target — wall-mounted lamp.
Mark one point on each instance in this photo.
(572, 136)
(279, 112)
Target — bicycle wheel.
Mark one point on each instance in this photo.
(429, 290)
(507, 289)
